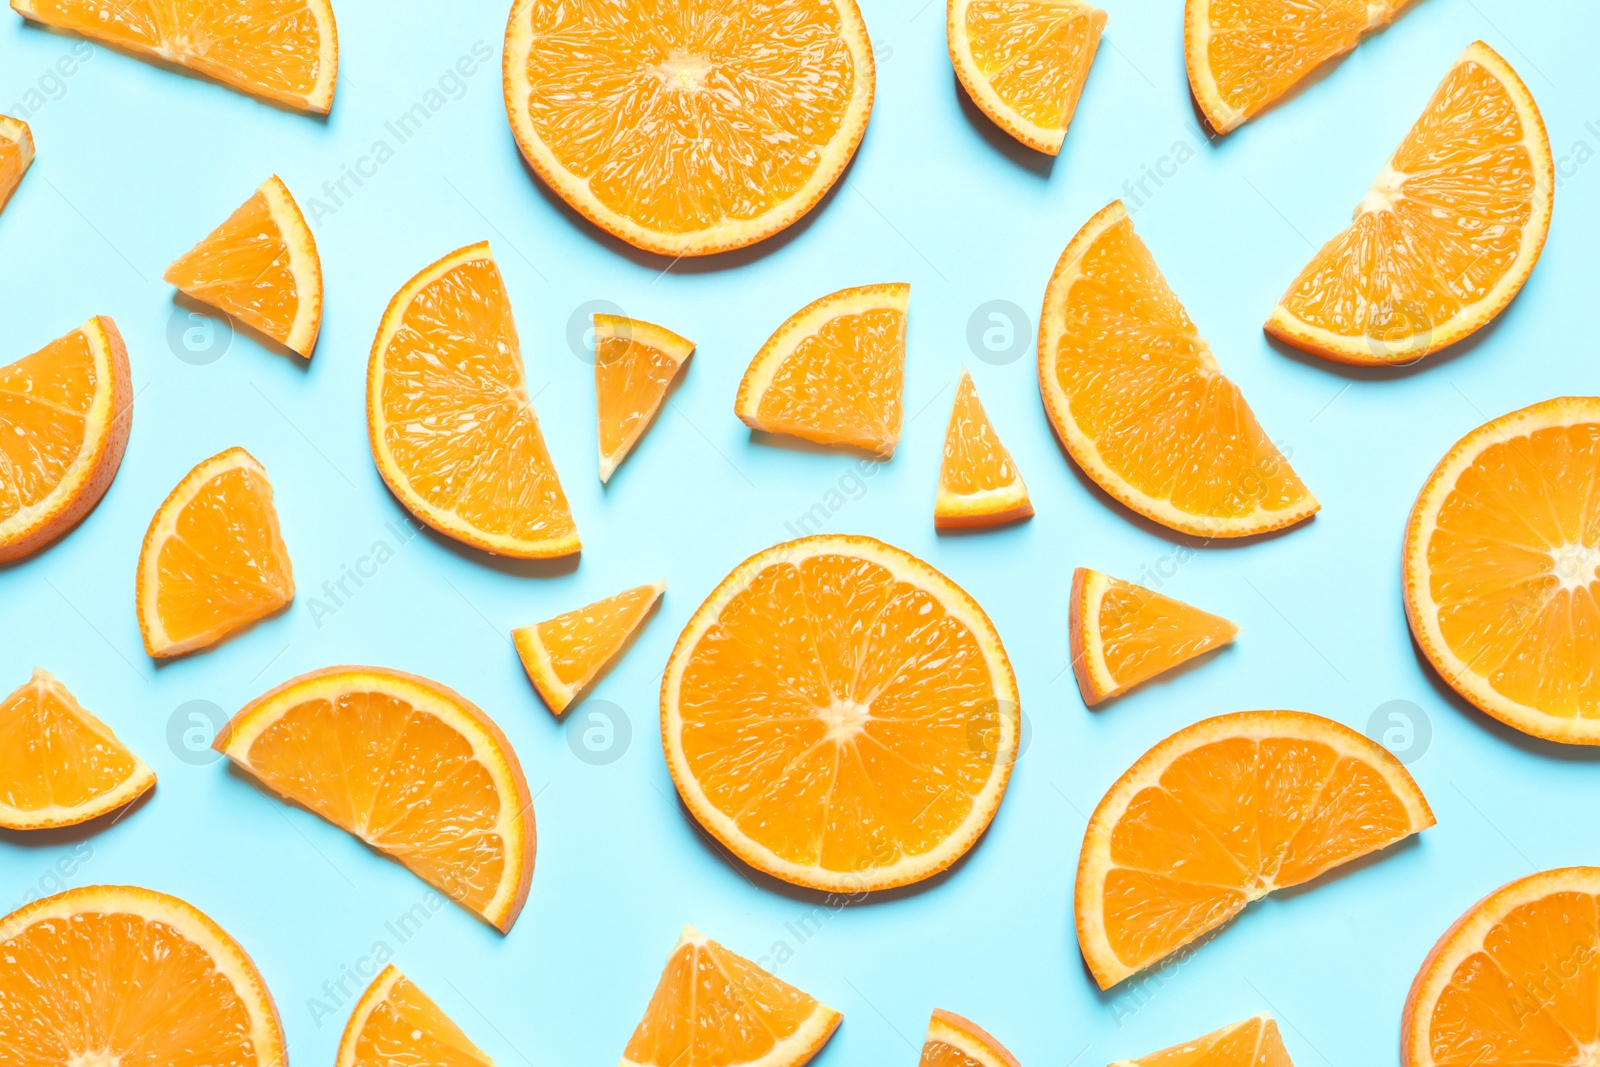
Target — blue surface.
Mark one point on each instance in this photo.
(135, 163)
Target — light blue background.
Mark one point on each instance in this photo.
(136, 163)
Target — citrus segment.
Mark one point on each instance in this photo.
(16, 154)
(1124, 634)
(410, 767)
(395, 1024)
(1222, 813)
(634, 365)
(956, 1042)
(1252, 1043)
(979, 485)
(564, 655)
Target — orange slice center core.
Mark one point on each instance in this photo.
(845, 719)
(1575, 565)
(94, 1059)
(1385, 191)
(682, 70)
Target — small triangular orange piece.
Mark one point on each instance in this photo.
(1124, 634)
(565, 654)
(1252, 1043)
(979, 485)
(634, 364)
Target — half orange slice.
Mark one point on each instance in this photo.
(956, 1042)
(564, 655)
(979, 484)
(1124, 634)
(1255, 1042)
(395, 1024)
(634, 365)
(16, 154)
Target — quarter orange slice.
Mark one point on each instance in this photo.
(213, 561)
(1502, 569)
(65, 412)
(16, 153)
(840, 715)
(634, 365)
(453, 431)
(979, 485)
(1445, 237)
(834, 372)
(1024, 62)
(1221, 814)
(1140, 403)
(713, 1008)
(689, 131)
(564, 655)
(283, 50)
(1124, 634)
(59, 765)
(395, 1024)
(956, 1042)
(1516, 980)
(410, 767)
(124, 976)
(1252, 1043)
(261, 267)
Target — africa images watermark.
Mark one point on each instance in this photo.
(51, 85)
(338, 591)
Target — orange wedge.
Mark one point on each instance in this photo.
(283, 50)
(1445, 237)
(1502, 569)
(1124, 634)
(115, 975)
(1252, 1043)
(834, 372)
(713, 1008)
(65, 412)
(1024, 62)
(634, 364)
(1139, 402)
(840, 715)
(564, 655)
(410, 767)
(1222, 813)
(213, 561)
(16, 153)
(1514, 981)
(395, 1024)
(261, 267)
(688, 133)
(59, 765)
(453, 430)
(956, 1042)
(979, 485)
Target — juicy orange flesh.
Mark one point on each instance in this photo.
(1513, 568)
(839, 715)
(117, 988)
(1142, 385)
(1229, 821)
(1259, 49)
(459, 422)
(52, 753)
(396, 776)
(44, 405)
(713, 1008)
(842, 384)
(225, 564)
(944, 1054)
(974, 459)
(1449, 235)
(407, 1029)
(1246, 1044)
(11, 167)
(1144, 633)
(1035, 55)
(686, 116)
(631, 380)
(578, 642)
(243, 268)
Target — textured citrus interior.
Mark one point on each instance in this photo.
(580, 642)
(631, 377)
(407, 1029)
(242, 267)
(45, 401)
(974, 459)
(14, 158)
(1143, 633)
(53, 753)
(842, 384)
(1257, 50)
(1255, 1042)
(1035, 54)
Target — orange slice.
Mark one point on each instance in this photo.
(1516, 980)
(1124, 634)
(453, 431)
(1024, 62)
(979, 485)
(395, 1024)
(834, 372)
(1245, 54)
(956, 1042)
(213, 561)
(634, 364)
(1445, 237)
(16, 153)
(65, 412)
(1252, 1043)
(410, 767)
(713, 1008)
(689, 132)
(118, 975)
(261, 267)
(1222, 813)
(1139, 402)
(283, 50)
(59, 765)
(1502, 569)
(564, 655)
(840, 715)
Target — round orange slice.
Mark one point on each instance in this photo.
(840, 715)
(410, 767)
(395, 1024)
(1446, 236)
(1140, 403)
(1123, 634)
(1221, 814)
(979, 484)
(956, 1042)
(1502, 569)
(1255, 1042)
(116, 975)
(16, 153)
(453, 430)
(689, 132)
(635, 363)
(65, 412)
